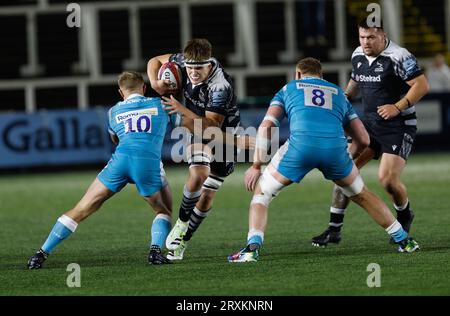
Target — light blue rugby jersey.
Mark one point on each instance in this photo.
(140, 123)
(315, 107)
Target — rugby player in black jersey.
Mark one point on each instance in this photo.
(391, 83)
(210, 99)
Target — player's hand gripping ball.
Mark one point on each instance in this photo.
(171, 73)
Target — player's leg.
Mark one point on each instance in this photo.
(199, 158)
(396, 144)
(204, 204)
(151, 183)
(160, 227)
(289, 164)
(191, 195)
(339, 204)
(354, 188)
(94, 197)
(166, 191)
(268, 187)
(391, 168)
(219, 171)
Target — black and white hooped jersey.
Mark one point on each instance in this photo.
(215, 94)
(382, 79)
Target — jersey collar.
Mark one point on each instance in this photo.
(306, 78)
(372, 59)
(134, 95)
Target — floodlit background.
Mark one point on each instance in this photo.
(57, 82)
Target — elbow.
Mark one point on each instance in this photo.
(423, 86)
(365, 141)
(151, 65)
(211, 123)
(364, 145)
(362, 142)
(426, 87)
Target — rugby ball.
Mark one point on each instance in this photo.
(170, 71)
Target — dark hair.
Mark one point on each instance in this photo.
(310, 66)
(130, 80)
(198, 49)
(363, 24)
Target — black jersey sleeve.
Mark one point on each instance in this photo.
(177, 58)
(354, 61)
(219, 100)
(406, 65)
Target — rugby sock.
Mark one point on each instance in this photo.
(336, 219)
(188, 204)
(63, 228)
(402, 208)
(255, 239)
(403, 212)
(195, 220)
(160, 229)
(397, 232)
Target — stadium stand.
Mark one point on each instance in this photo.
(48, 65)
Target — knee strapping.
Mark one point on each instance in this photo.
(213, 183)
(164, 181)
(199, 158)
(355, 188)
(270, 188)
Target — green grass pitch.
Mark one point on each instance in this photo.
(111, 246)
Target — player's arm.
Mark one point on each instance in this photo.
(114, 139)
(360, 138)
(351, 91)
(197, 124)
(419, 88)
(163, 87)
(113, 136)
(273, 117)
(211, 119)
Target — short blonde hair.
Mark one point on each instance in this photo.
(130, 80)
(198, 49)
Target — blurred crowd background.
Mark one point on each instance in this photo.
(57, 81)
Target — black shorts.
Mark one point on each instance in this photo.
(222, 169)
(391, 137)
(223, 161)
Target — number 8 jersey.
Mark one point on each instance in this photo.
(140, 124)
(315, 107)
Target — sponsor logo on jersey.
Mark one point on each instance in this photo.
(379, 68)
(363, 78)
(126, 115)
(359, 65)
(301, 85)
(409, 64)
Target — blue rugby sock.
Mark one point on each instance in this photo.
(160, 229)
(397, 232)
(63, 228)
(255, 237)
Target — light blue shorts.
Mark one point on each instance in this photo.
(147, 174)
(294, 161)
